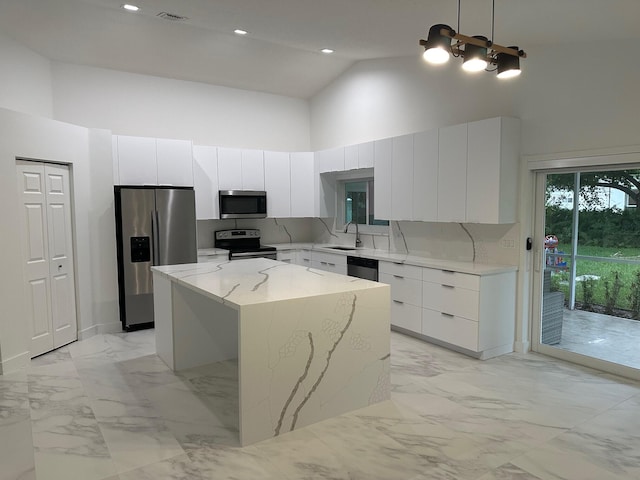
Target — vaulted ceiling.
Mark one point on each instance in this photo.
(281, 52)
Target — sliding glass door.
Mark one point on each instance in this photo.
(589, 268)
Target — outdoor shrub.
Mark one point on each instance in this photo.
(611, 293)
(587, 293)
(634, 296)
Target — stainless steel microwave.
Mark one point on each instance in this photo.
(242, 203)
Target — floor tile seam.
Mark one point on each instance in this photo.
(147, 465)
(600, 413)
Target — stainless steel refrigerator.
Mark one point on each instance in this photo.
(154, 226)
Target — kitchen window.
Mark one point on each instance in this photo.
(356, 204)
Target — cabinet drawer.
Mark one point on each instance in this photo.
(452, 300)
(450, 328)
(329, 258)
(288, 256)
(329, 267)
(403, 289)
(406, 316)
(448, 277)
(400, 269)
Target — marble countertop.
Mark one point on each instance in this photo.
(420, 261)
(259, 280)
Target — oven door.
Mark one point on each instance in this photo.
(242, 204)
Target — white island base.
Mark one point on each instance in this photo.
(310, 345)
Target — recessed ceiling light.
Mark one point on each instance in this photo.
(131, 8)
(239, 31)
(326, 50)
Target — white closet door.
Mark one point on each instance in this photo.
(47, 255)
(63, 297)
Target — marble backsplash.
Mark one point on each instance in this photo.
(481, 243)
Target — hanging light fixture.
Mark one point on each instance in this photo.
(477, 52)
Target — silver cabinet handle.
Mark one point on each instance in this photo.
(448, 286)
(446, 314)
(398, 276)
(448, 271)
(398, 301)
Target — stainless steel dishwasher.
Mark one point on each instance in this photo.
(366, 268)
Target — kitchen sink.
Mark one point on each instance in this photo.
(342, 248)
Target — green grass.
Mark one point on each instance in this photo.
(606, 272)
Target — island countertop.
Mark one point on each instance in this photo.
(259, 280)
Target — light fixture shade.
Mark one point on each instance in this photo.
(437, 46)
(475, 57)
(508, 65)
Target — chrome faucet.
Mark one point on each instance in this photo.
(358, 241)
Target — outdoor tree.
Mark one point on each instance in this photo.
(627, 181)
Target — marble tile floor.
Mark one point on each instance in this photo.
(108, 408)
(601, 336)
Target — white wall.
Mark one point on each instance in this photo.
(143, 105)
(579, 97)
(25, 79)
(30, 137)
(383, 98)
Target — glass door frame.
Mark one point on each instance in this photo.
(539, 212)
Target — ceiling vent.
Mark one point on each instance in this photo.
(172, 17)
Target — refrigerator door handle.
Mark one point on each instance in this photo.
(154, 237)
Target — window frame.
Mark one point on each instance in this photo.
(359, 175)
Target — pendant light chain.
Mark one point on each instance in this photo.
(493, 18)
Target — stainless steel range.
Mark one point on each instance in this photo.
(243, 244)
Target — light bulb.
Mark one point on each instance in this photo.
(474, 65)
(510, 73)
(436, 55)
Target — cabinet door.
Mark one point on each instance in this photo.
(137, 160)
(252, 170)
(205, 165)
(351, 157)
(383, 153)
(425, 176)
(365, 155)
(402, 178)
(277, 184)
(229, 169)
(492, 170)
(331, 160)
(175, 162)
(452, 173)
(302, 190)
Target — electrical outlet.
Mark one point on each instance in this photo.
(508, 243)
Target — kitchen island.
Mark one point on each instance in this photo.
(310, 344)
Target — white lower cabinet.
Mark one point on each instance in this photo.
(287, 256)
(303, 258)
(475, 313)
(329, 262)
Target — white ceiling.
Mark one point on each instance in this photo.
(281, 53)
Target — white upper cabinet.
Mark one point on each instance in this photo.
(205, 165)
(366, 155)
(175, 162)
(302, 184)
(137, 160)
(277, 184)
(151, 161)
(383, 156)
(331, 160)
(230, 168)
(492, 170)
(452, 173)
(252, 169)
(402, 179)
(425, 176)
(351, 157)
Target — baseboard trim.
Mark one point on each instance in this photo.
(15, 363)
(87, 332)
(111, 327)
(522, 347)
